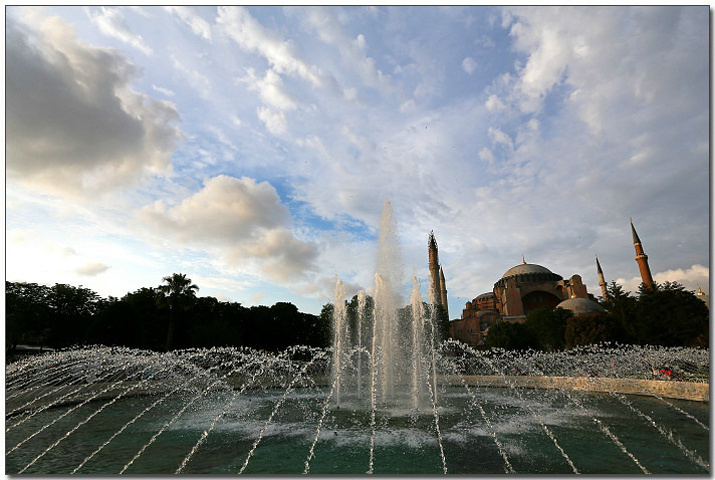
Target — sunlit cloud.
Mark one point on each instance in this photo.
(74, 125)
(241, 218)
(111, 22)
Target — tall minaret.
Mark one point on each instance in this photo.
(443, 291)
(642, 259)
(434, 269)
(601, 280)
(439, 288)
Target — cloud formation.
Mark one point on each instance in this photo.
(74, 125)
(507, 131)
(197, 24)
(111, 23)
(91, 269)
(238, 24)
(241, 218)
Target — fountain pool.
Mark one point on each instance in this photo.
(227, 411)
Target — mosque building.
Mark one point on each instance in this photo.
(523, 288)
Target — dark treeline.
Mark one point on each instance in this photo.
(166, 317)
(171, 316)
(666, 315)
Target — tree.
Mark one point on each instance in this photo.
(27, 313)
(178, 295)
(590, 329)
(548, 326)
(669, 315)
(621, 306)
(73, 308)
(510, 336)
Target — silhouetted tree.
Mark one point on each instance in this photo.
(669, 315)
(511, 336)
(621, 306)
(27, 314)
(72, 310)
(548, 325)
(179, 294)
(593, 328)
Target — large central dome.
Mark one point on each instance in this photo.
(525, 268)
(529, 273)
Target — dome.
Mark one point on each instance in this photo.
(581, 306)
(528, 273)
(525, 268)
(485, 296)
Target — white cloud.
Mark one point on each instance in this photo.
(324, 21)
(269, 88)
(494, 104)
(249, 34)
(243, 220)
(274, 121)
(197, 24)
(74, 126)
(111, 23)
(486, 155)
(163, 91)
(696, 274)
(469, 65)
(499, 137)
(690, 278)
(91, 269)
(571, 45)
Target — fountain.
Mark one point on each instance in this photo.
(389, 397)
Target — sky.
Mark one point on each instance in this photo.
(253, 148)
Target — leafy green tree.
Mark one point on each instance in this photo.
(510, 336)
(669, 315)
(179, 294)
(548, 326)
(593, 328)
(72, 310)
(27, 314)
(621, 306)
(215, 323)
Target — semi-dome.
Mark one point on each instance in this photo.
(581, 306)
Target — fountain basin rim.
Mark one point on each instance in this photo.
(694, 391)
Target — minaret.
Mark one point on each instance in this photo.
(443, 291)
(434, 269)
(642, 259)
(601, 280)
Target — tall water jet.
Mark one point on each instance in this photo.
(339, 335)
(401, 340)
(388, 280)
(417, 308)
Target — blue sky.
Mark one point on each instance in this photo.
(252, 148)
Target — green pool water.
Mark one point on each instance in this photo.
(480, 431)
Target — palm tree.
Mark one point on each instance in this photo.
(179, 293)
